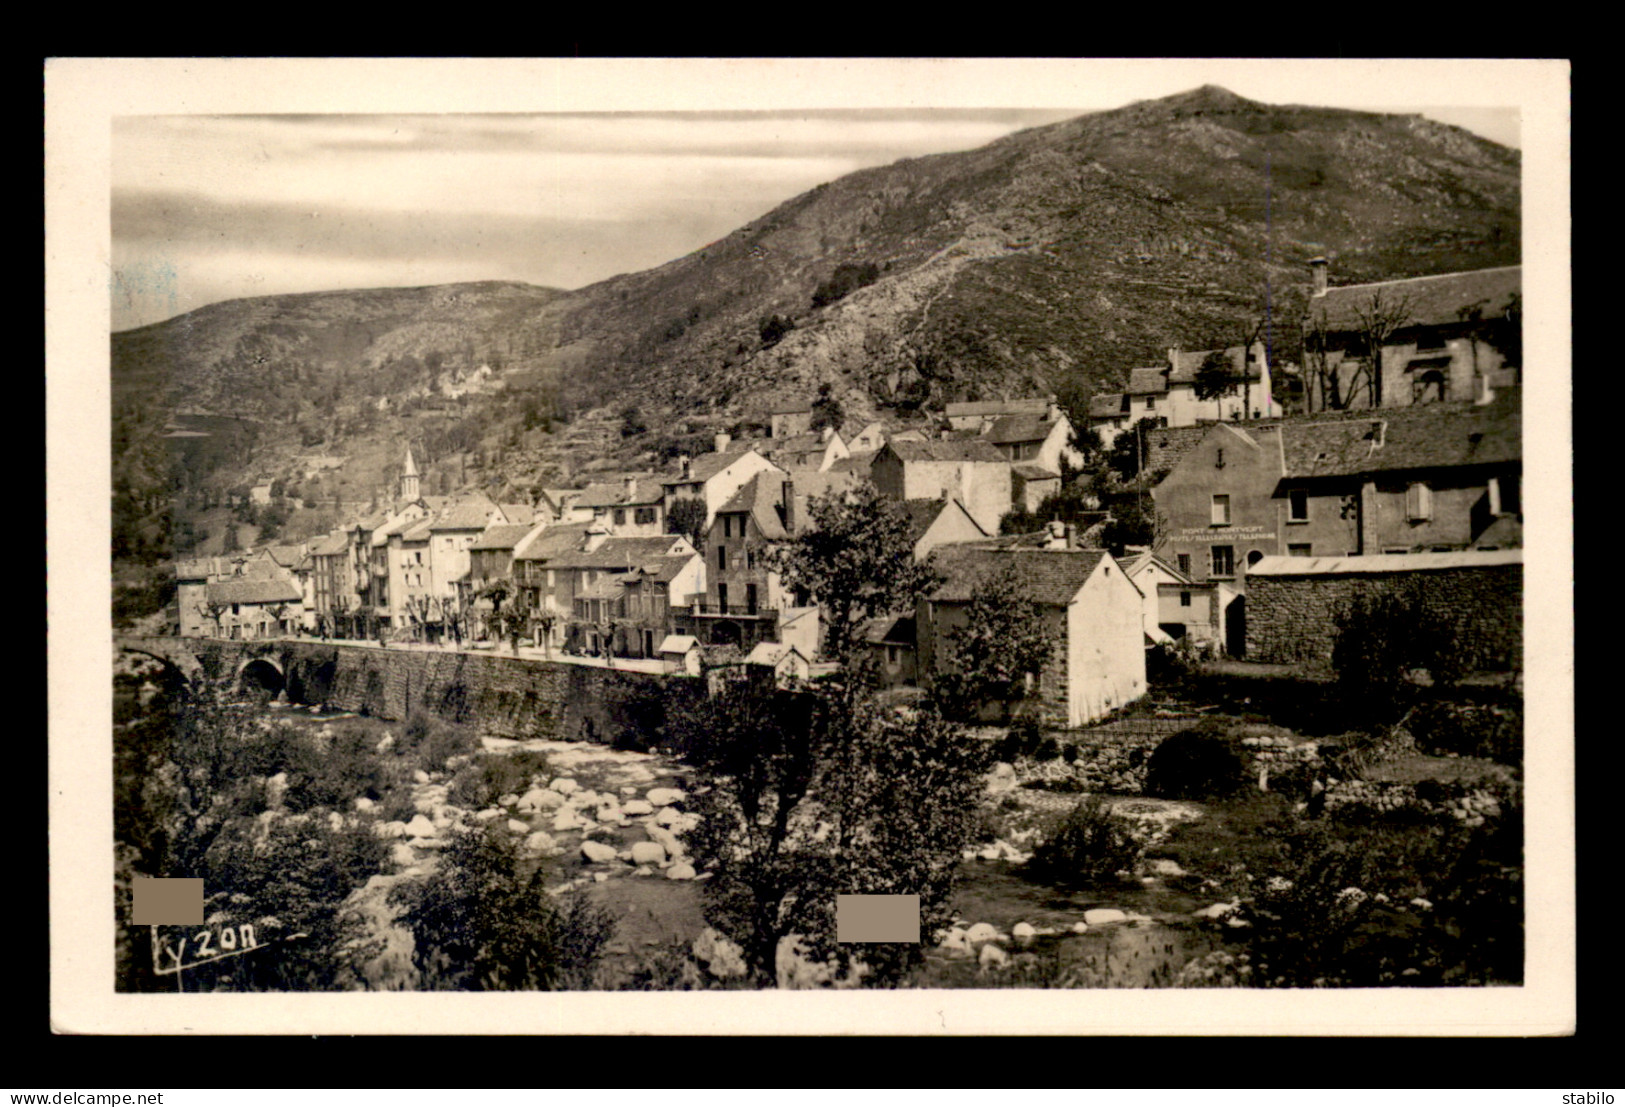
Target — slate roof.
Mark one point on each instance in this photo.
(252, 591)
(552, 542)
(645, 490)
(974, 449)
(1051, 577)
(857, 463)
(1183, 364)
(1020, 428)
(1028, 471)
(1434, 301)
(892, 630)
(706, 466)
(1031, 406)
(664, 569)
(327, 545)
(760, 497)
(1428, 436)
(518, 513)
(419, 531)
(616, 553)
(1383, 563)
(1108, 405)
(677, 643)
(467, 516)
(1146, 382)
(285, 556)
(790, 407)
(501, 536)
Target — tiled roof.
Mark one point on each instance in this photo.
(857, 462)
(518, 513)
(975, 449)
(645, 490)
(799, 444)
(664, 569)
(771, 653)
(1383, 563)
(252, 591)
(1020, 428)
(419, 531)
(329, 544)
(1147, 382)
(677, 643)
(790, 407)
(1418, 437)
(1433, 301)
(1030, 472)
(1031, 406)
(501, 536)
(1050, 577)
(1108, 405)
(895, 630)
(285, 556)
(551, 542)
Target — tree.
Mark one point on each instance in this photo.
(1377, 317)
(1003, 640)
(819, 794)
(772, 328)
(687, 517)
(1129, 451)
(632, 423)
(826, 411)
(1380, 637)
(484, 921)
(1133, 523)
(856, 559)
(1216, 378)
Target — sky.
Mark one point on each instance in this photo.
(208, 206)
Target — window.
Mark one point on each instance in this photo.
(550, 578)
(1224, 561)
(1151, 403)
(620, 516)
(1185, 563)
(1184, 599)
(1298, 549)
(420, 557)
(722, 559)
(750, 598)
(643, 516)
(1391, 550)
(891, 655)
(1297, 506)
(727, 526)
(1419, 503)
(1221, 511)
(1504, 496)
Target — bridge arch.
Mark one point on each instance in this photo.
(177, 659)
(261, 674)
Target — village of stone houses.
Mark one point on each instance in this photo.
(1213, 680)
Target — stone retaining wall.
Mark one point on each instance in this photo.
(1290, 619)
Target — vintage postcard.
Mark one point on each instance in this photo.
(810, 546)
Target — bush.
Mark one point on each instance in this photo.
(1469, 730)
(493, 775)
(1196, 764)
(431, 740)
(1069, 753)
(1090, 846)
(479, 924)
(1048, 749)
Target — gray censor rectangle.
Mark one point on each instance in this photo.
(166, 901)
(877, 918)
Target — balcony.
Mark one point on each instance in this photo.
(731, 609)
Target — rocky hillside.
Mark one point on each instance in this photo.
(1054, 259)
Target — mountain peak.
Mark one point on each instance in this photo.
(1208, 98)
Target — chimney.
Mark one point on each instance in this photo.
(1050, 411)
(721, 443)
(1173, 357)
(595, 538)
(631, 488)
(1317, 276)
(683, 462)
(1057, 536)
(1071, 537)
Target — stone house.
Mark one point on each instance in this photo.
(545, 597)
(863, 437)
(1177, 608)
(589, 586)
(807, 451)
(714, 477)
(790, 418)
(634, 506)
(974, 415)
(1453, 337)
(1031, 485)
(973, 470)
(558, 505)
(892, 644)
(742, 599)
(248, 608)
(781, 663)
(490, 558)
(1167, 393)
(934, 523)
(334, 602)
(452, 534)
(1090, 611)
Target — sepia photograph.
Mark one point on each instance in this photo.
(959, 536)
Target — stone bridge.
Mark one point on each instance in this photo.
(505, 697)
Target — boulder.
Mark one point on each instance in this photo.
(1001, 779)
(384, 743)
(518, 827)
(989, 853)
(420, 827)
(1099, 916)
(668, 817)
(600, 877)
(1215, 910)
(420, 777)
(537, 799)
(597, 852)
(722, 958)
(992, 956)
(982, 932)
(568, 820)
(564, 786)
(393, 829)
(669, 842)
(628, 790)
(1079, 928)
(1162, 866)
(648, 853)
(362, 803)
(664, 797)
(275, 788)
(680, 871)
(637, 807)
(1023, 932)
(488, 814)
(542, 842)
(955, 942)
(509, 800)
(402, 854)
